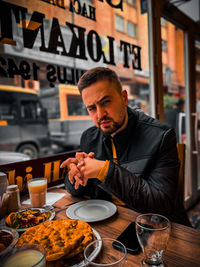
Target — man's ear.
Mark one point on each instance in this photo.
(125, 97)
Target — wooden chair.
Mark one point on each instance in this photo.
(181, 178)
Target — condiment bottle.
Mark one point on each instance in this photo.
(14, 198)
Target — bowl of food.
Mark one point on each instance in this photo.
(8, 240)
(23, 219)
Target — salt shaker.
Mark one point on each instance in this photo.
(14, 198)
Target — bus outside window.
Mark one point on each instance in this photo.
(68, 117)
(23, 122)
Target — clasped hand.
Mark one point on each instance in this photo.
(83, 167)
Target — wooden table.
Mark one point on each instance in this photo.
(183, 249)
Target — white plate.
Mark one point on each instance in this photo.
(52, 215)
(94, 253)
(92, 210)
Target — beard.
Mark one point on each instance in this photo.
(113, 127)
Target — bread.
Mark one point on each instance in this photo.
(60, 238)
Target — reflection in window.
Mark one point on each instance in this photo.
(119, 23)
(76, 106)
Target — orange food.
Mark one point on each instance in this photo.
(61, 238)
(5, 239)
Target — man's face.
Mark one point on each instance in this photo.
(106, 106)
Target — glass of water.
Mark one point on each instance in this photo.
(153, 231)
(105, 252)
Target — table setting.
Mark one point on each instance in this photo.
(41, 208)
(96, 233)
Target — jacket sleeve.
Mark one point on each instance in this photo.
(153, 193)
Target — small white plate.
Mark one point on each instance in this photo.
(94, 253)
(92, 210)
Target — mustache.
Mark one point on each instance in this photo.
(105, 118)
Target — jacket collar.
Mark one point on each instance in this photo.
(121, 139)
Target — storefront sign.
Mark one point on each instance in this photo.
(49, 167)
(81, 45)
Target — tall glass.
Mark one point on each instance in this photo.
(102, 253)
(37, 190)
(153, 231)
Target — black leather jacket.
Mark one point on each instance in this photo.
(146, 175)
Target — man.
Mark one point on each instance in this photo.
(127, 156)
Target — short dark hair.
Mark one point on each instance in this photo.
(98, 74)
(180, 102)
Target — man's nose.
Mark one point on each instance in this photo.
(101, 112)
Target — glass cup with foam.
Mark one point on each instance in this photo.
(37, 190)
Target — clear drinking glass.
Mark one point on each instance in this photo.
(153, 231)
(28, 255)
(101, 253)
(37, 188)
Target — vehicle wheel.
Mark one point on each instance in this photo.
(29, 150)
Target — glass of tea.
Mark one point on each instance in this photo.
(37, 190)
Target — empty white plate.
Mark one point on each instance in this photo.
(92, 210)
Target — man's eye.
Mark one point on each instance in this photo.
(106, 102)
(91, 109)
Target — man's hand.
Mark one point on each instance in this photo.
(89, 168)
(74, 173)
(79, 156)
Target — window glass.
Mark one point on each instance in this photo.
(131, 29)
(174, 78)
(76, 106)
(119, 23)
(197, 130)
(164, 45)
(131, 2)
(6, 111)
(47, 45)
(30, 110)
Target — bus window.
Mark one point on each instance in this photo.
(76, 106)
(31, 110)
(8, 109)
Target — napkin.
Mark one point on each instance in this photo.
(51, 198)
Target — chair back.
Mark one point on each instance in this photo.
(181, 178)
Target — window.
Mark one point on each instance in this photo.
(164, 45)
(119, 23)
(8, 109)
(163, 22)
(131, 2)
(31, 110)
(76, 106)
(60, 44)
(131, 29)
